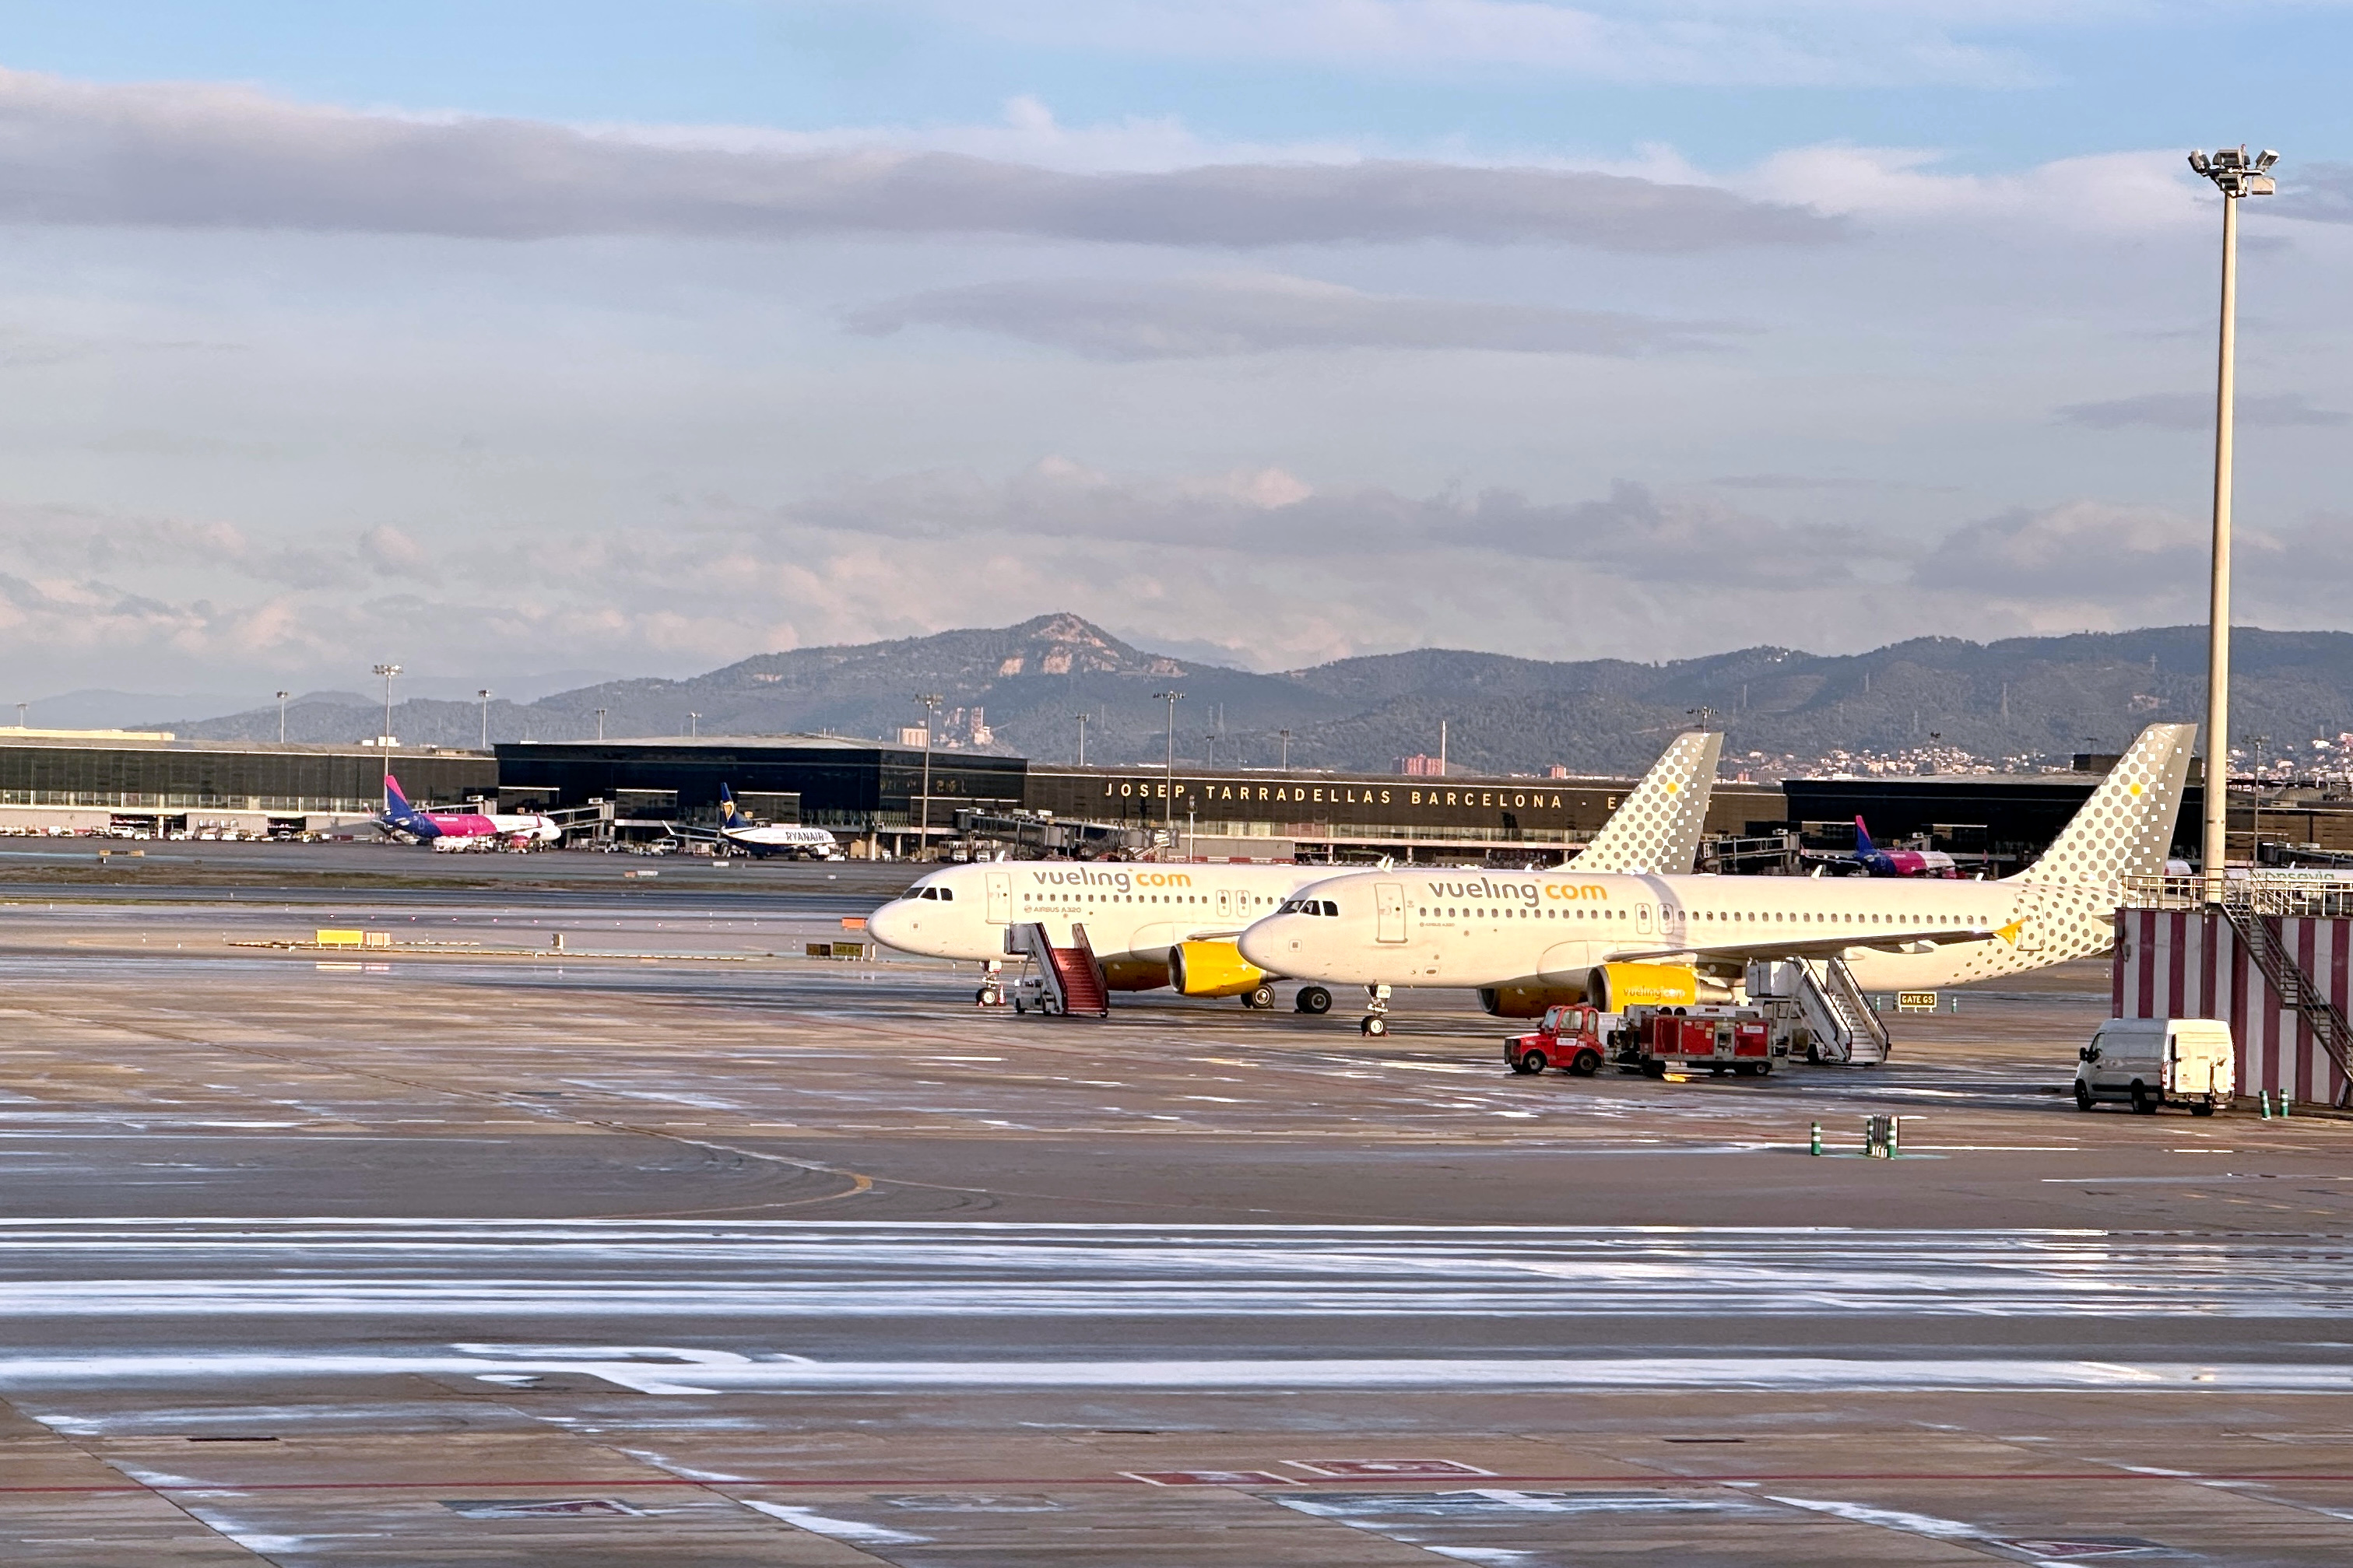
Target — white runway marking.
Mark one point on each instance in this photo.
(721, 1372)
(685, 1272)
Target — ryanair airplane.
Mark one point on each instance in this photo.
(1528, 942)
(1175, 924)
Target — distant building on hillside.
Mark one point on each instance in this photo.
(1419, 766)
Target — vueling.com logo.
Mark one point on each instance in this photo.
(1529, 893)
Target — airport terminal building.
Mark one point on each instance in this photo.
(872, 794)
(91, 781)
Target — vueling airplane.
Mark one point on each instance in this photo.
(1156, 925)
(1531, 941)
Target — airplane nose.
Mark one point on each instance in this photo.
(885, 925)
(1261, 943)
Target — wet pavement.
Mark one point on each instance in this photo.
(679, 1246)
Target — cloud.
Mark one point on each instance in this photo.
(182, 156)
(2195, 411)
(1242, 313)
(1693, 42)
(2320, 193)
(394, 553)
(2083, 551)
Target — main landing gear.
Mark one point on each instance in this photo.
(1314, 1000)
(1375, 1021)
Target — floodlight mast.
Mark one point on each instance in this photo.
(2236, 175)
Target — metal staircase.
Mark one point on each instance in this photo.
(1820, 996)
(1061, 980)
(2261, 936)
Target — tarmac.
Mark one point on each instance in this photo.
(676, 1246)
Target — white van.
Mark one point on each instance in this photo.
(2150, 1062)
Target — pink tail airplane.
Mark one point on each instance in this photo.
(451, 830)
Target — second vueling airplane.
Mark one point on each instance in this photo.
(1175, 924)
(1529, 941)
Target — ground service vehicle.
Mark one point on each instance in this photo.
(1575, 1037)
(2149, 1062)
(1704, 1040)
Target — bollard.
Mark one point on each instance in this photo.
(1816, 1140)
(2283, 1102)
(2263, 1102)
(1894, 1136)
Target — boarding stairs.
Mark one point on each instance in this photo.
(1064, 980)
(1821, 998)
(2260, 934)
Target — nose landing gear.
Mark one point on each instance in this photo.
(992, 988)
(1375, 1021)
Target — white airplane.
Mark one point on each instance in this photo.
(1174, 925)
(1531, 941)
(764, 838)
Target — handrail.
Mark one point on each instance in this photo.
(2296, 989)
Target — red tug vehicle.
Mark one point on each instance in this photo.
(1652, 1041)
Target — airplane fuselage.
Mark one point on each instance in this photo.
(1483, 929)
(1134, 913)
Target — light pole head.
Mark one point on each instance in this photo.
(2235, 174)
(387, 670)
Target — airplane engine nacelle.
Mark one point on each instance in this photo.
(1212, 969)
(1525, 1001)
(1614, 987)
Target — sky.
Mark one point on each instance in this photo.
(503, 339)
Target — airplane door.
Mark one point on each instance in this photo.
(1000, 897)
(1389, 901)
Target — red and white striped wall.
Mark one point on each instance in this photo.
(2187, 964)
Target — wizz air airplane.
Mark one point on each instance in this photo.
(1155, 925)
(1877, 862)
(1528, 941)
(760, 839)
(454, 830)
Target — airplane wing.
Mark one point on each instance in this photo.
(1825, 947)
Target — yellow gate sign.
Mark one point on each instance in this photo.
(1916, 1001)
(339, 938)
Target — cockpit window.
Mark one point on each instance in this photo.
(945, 894)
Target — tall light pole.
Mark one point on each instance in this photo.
(2235, 176)
(384, 737)
(1286, 749)
(1211, 737)
(931, 701)
(1168, 774)
(600, 723)
(1083, 718)
(694, 724)
(484, 697)
(281, 716)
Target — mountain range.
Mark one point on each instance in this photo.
(1020, 688)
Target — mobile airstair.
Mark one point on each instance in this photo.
(1065, 981)
(1818, 1011)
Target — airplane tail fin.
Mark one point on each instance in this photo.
(728, 816)
(403, 815)
(2125, 829)
(1657, 826)
(1863, 845)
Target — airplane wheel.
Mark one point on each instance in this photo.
(1314, 1000)
(1373, 1026)
(1261, 999)
(1585, 1063)
(1534, 1062)
(2083, 1095)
